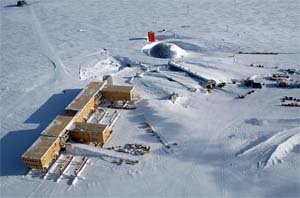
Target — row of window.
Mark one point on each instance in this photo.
(85, 134)
(30, 160)
(33, 165)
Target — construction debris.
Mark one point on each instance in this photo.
(81, 150)
(244, 95)
(166, 144)
(131, 162)
(291, 104)
(295, 101)
(118, 104)
(120, 161)
(276, 77)
(289, 78)
(259, 65)
(133, 149)
(286, 98)
(258, 53)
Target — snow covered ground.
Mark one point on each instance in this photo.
(227, 147)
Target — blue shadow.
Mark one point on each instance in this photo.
(15, 143)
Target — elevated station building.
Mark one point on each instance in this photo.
(47, 147)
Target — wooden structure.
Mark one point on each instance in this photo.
(47, 147)
(42, 153)
(58, 127)
(86, 99)
(117, 92)
(90, 132)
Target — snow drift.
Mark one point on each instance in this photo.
(98, 64)
(274, 149)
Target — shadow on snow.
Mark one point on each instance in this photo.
(15, 143)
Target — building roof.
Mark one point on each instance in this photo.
(39, 147)
(118, 88)
(57, 126)
(89, 127)
(85, 95)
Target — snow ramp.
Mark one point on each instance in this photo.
(274, 149)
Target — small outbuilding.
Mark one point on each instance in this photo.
(118, 92)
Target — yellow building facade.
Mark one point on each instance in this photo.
(117, 92)
(42, 153)
(90, 132)
(46, 148)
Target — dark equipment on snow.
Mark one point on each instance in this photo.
(21, 3)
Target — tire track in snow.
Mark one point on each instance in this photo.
(223, 172)
(58, 67)
(197, 168)
(273, 148)
(37, 186)
(61, 71)
(226, 172)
